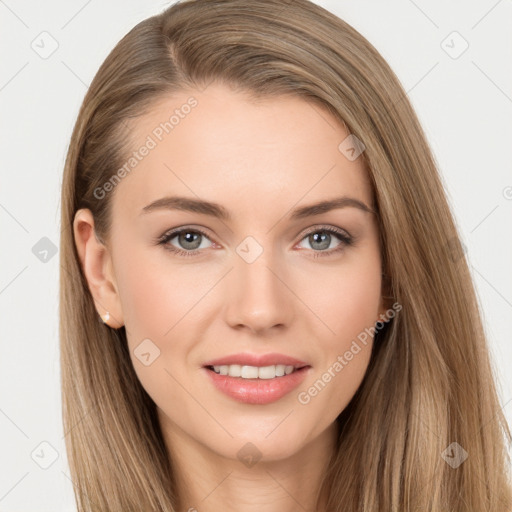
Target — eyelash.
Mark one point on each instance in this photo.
(343, 237)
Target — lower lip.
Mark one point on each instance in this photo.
(257, 391)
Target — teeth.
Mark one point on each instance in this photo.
(250, 372)
(235, 370)
(254, 372)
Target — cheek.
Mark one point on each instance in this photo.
(345, 298)
(160, 303)
(155, 296)
(350, 310)
(358, 304)
(157, 305)
(348, 305)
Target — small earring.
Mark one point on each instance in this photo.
(106, 318)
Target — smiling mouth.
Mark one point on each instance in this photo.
(255, 372)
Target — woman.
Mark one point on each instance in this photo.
(264, 300)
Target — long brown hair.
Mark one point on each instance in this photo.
(429, 383)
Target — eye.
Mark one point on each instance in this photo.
(321, 237)
(189, 239)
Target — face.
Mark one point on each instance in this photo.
(256, 279)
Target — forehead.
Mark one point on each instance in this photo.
(223, 146)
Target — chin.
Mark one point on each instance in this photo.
(269, 440)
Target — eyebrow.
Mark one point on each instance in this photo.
(204, 207)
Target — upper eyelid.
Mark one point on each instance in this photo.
(325, 227)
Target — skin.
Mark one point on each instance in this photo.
(260, 160)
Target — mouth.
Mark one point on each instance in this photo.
(256, 385)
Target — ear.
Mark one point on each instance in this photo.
(96, 262)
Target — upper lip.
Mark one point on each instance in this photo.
(257, 360)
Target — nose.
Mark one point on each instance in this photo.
(260, 298)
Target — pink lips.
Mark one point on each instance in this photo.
(257, 391)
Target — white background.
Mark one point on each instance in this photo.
(464, 104)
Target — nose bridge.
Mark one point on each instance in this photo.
(259, 298)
